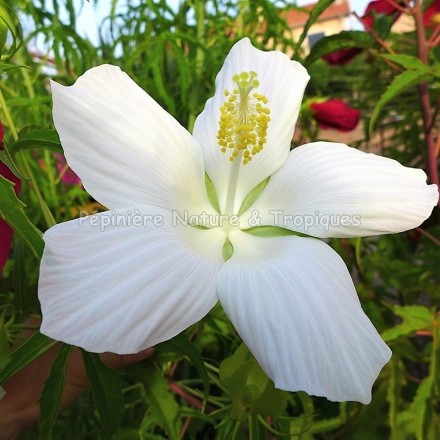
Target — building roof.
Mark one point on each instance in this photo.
(296, 18)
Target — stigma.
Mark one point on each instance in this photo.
(244, 119)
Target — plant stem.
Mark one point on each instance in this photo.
(427, 112)
(428, 235)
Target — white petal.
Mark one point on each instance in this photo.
(292, 301)
(125, 148)
(331, 190)
(283, 82)
(109, 287)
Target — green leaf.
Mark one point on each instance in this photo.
(397, 380)
(182, 345)
(33, 137)
(382, 25)
(231, 375)
(421, 407)
(414, 318)
(251, 390)
(11, 209)
(434, 55)
(317, 10)
(228, 250)
(3, 34)
(107, 392)
(408, 62)
(5, 157)
(164, 408)
(52, 393)
(343, 40)
(421, 315)
(4, 67)
(436, 70)
(266, 400)
(4, 346)
(252, 196)
(156, 66)
(227, 429)
(272, 231)
(9, 22)
(400, 83)
(308, 410)
(212, 195)
(32, 349)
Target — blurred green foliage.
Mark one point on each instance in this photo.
(205, 384)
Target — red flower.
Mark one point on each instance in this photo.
(5, 230)
(431, 17)
(341, 57)
(68, 177)
(66, 174)
(335, 114)
(384, 7)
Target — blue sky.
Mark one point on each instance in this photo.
(90, 16)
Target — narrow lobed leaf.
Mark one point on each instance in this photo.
(400, 83)
(53, 391)
(107, 392)
(343, 40)
(35, 138)
(414, 318)
(408, 62)
(32, 349)
(164, 408)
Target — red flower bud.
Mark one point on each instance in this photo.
(335, 114)
(384, 7)
(431, 17)
(5, 230)
(341, 57)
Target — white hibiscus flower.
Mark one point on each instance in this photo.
(136, 275)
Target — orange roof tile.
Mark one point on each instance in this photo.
(295, 18)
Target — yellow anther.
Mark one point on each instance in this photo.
(244, 119)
